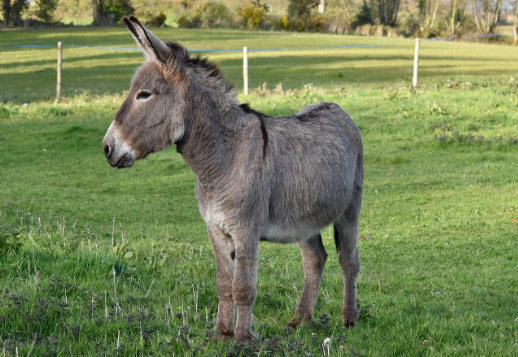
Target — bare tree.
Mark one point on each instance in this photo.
(428, 13)
(456, 16)
(486, 14)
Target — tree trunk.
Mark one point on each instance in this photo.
(432, 22)
(486, 16)
(95, 13)
(6, 11)
(16, 10)
(453, 14)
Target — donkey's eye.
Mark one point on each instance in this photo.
(143, 95)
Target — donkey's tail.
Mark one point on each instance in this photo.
(337, 238)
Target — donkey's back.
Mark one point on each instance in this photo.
(316, 161)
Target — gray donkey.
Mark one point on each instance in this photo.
(279, 179)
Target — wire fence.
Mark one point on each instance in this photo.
(236, 50)
(245, 51)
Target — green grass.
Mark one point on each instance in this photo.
(98, 261)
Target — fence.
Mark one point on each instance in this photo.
(245, 52)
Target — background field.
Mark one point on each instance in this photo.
(98, 261)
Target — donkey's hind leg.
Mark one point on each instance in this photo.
(346, 240)
(314, 257)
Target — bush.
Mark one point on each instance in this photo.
(185, 22)
(158, 20)
(280, 22)
(300, 14)
(213, 14)
(207, 14)
(253, 15)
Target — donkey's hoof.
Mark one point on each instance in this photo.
(244, 335)
(222, 336)
(294, 322)
(297, 320)
(350, 318)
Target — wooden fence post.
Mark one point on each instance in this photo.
(416, 63)
(60, 66)
(245, 70)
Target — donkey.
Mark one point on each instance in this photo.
(279, 179)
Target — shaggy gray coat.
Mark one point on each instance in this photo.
(281, 179)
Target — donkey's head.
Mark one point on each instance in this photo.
(152, 116)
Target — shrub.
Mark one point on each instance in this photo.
(185, 22)
(206, 14)
(212, 14)
(252, 15)
(300, 14)
(280, 22)
(158, 20)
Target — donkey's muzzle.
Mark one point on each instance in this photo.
(125, 161)
(116, 151)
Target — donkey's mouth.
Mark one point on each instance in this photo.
(126, 160)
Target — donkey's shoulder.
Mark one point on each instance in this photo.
(319, 110)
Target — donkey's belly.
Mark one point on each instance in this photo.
(295, 231)
(287, 234)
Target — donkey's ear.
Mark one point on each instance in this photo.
(153, 47)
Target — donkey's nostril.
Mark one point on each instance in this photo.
(107, 150)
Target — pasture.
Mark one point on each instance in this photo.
(99, 261)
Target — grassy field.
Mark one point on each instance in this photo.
(98, 261)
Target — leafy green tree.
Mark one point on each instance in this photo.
(118, 8)
(108, 11)
(45, 10)
(11, 11)
(299, 13)
(302, 8)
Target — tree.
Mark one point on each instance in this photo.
(108, 11)
(428, 13)
(383, 12)
(6, 11)
(301, 8)
(11, 12)
(45, 9)
(456, 17)
(486, 14)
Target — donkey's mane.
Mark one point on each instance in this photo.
(209, 69)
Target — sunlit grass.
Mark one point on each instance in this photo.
(29, 74)
(98, 261)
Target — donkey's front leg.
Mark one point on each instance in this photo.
(224, 252)
(244, 284)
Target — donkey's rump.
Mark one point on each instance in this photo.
(314, 155)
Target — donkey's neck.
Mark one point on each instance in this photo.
(213, 123)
